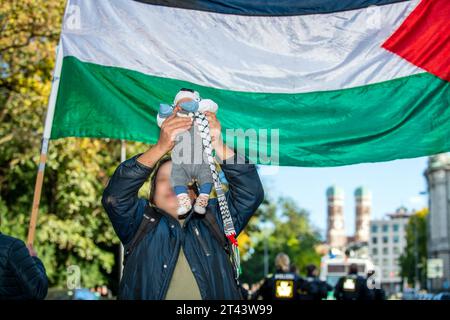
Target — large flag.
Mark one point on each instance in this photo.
(335, 82)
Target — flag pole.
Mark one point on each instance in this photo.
(123, 157)
(45, 141)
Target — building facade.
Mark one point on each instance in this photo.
(387, 241)
(437, 175)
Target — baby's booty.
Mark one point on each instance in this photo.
(207, 105)
(184, 204)
(201, 202)
(189, 106)
(165, 111)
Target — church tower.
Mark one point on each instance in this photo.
(336, 237)
(363, 201)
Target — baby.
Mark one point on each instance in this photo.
(186, 167)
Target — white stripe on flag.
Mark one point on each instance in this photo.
(291, 54)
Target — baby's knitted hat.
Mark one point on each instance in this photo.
(186, 93)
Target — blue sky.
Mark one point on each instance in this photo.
(392, 183)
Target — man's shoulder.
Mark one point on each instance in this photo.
(9, 241)
(8, 244)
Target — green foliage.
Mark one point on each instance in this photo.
(413, 261)
(73, 228)
(281, 227)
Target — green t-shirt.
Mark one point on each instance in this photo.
(183, 285)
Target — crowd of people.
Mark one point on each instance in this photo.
(22, 276)
(287, 284)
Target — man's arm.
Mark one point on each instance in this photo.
(29, 270)
(245, 191)
(151, 156)
(120, 198)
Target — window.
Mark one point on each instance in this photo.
(385, 239)
(336, 268)
(374, 240)
(374, 251)
(374, 228)
(396, 239)
(396, 250)
(385, 228)
(395, 227)
(385, 250)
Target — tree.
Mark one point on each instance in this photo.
(413, 261)
(73, 228)
(282, 227)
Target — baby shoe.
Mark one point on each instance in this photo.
(165, 110)
(207, 105)
(201, 202)
(184, 204)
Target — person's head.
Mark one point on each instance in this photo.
(353, 269)
(162, 194)
(104, 290)
(185, 95)
(293, 268)
(311, 270)
(282, 262)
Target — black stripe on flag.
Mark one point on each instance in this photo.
(270, 7)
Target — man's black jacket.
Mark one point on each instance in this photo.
(21, 275)
(150, 266)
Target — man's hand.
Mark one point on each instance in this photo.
(215, 129)
(31, 250)
(170, 128)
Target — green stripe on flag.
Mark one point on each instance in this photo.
(401, 118)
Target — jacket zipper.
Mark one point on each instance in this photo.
(172, 264)
(202, 243)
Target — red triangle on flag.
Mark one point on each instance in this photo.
(424, 38)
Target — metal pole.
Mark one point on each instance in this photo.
(123, 157)
(45, 142)
(266, 258)
(416, 255)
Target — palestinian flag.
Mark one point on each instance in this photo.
(340, 82)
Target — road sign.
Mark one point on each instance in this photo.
(435, 268)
